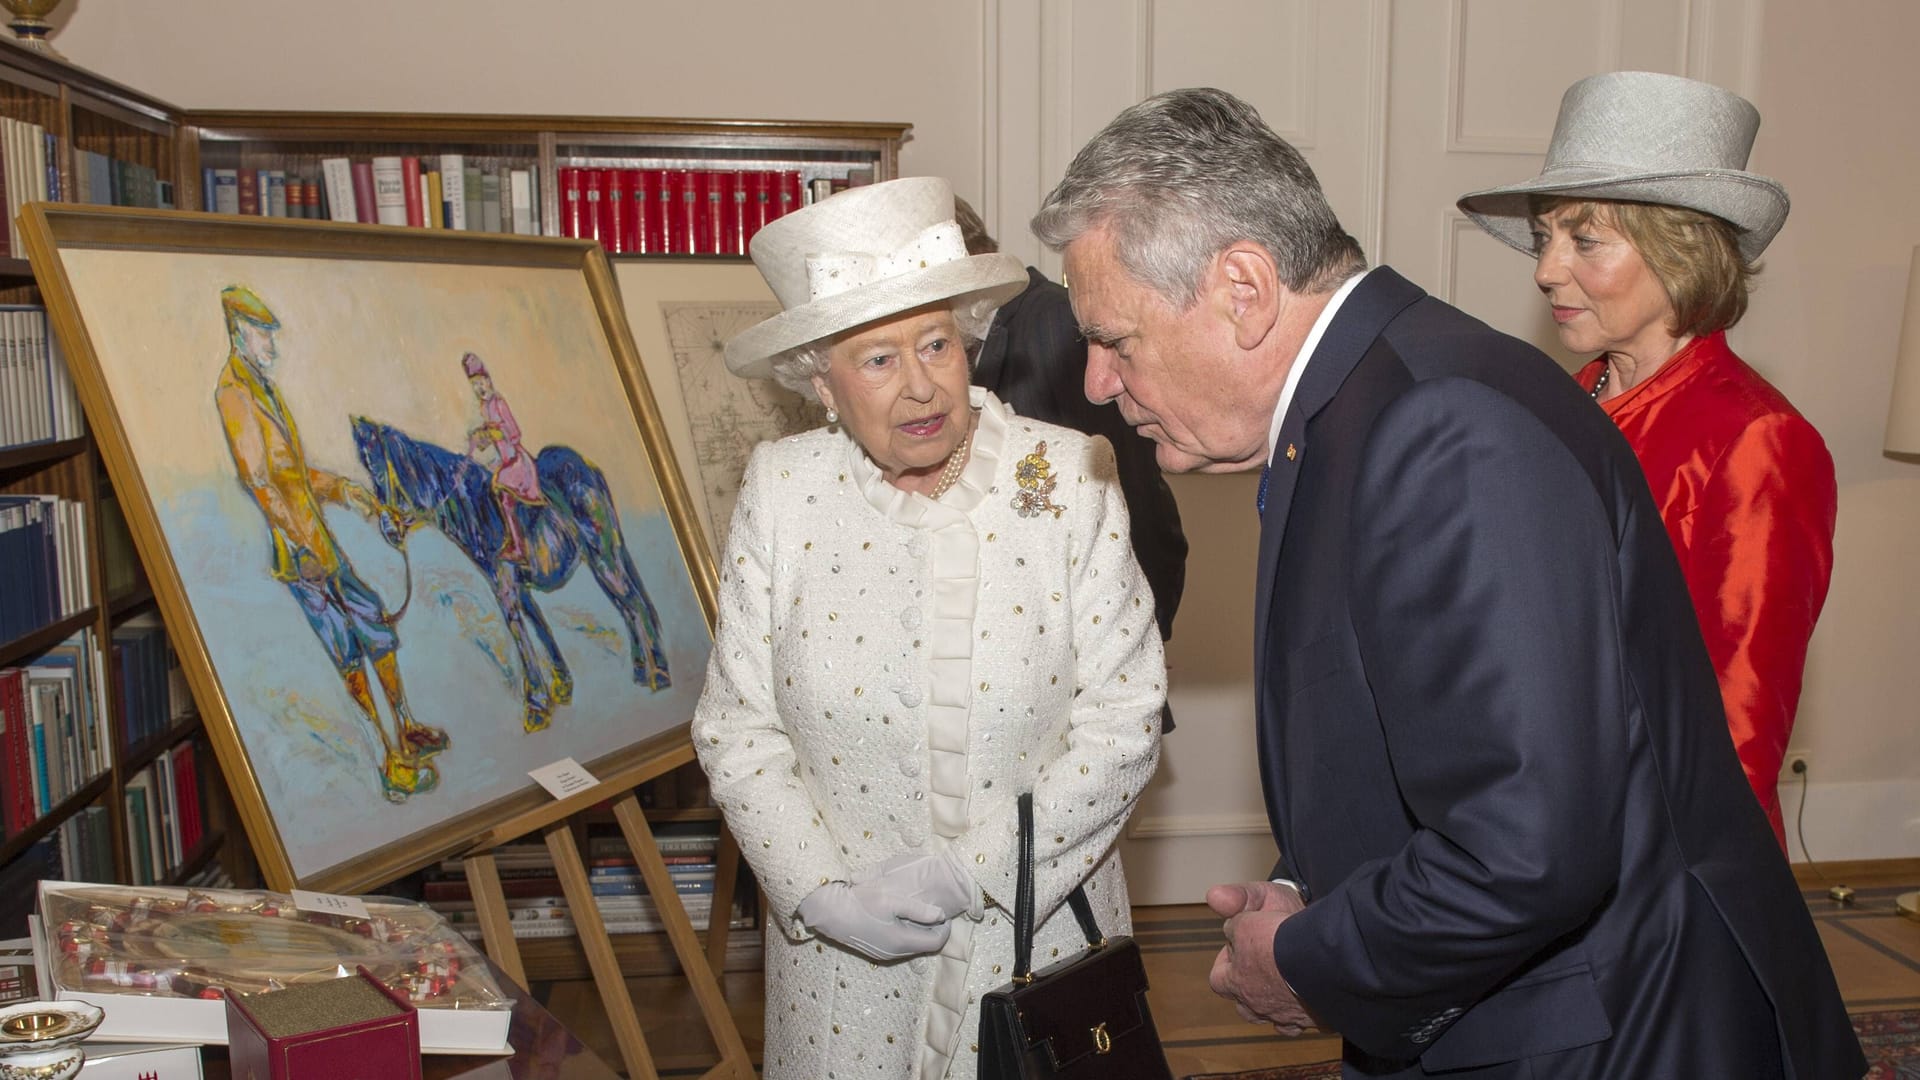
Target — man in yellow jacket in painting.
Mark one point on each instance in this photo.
(344, 613)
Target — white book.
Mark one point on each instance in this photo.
(76, 415)
(226, 191)
(521, 181)
(389, 191)
(9, 158)
(141, 1061)
(273, 201)
(37, 154)
(453, 189)
(12, 382)
(338, 174)
(41, 366)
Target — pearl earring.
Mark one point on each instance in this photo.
(832, 416)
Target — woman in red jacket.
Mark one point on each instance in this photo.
(1646, 229)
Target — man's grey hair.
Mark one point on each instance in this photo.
(1183, 175)
(795, 368)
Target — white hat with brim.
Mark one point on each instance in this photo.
(1639, 136)
(863, 255)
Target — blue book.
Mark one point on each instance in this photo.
(42, 791)
(206, 188)
(53, 166)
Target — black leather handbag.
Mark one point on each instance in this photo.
(1085, 1016)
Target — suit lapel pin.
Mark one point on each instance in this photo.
(1291, 452)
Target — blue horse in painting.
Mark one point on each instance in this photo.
(419, 483)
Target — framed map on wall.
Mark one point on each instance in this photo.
(682, 312)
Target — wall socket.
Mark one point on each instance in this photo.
(1795, 765)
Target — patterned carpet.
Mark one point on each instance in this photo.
(1891, 1038)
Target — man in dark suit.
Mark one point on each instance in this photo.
(1035, 360)
(1515, 837)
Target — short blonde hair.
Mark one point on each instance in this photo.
(1695, 257)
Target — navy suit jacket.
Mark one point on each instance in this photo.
(1035, 360)
(1491, 741)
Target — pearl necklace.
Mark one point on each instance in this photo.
(1599, 384)
(956, 461)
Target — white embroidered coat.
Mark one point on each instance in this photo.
(889, 674)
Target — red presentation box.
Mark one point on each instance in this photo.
(351, 1028)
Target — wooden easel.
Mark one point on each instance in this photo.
(700, 967)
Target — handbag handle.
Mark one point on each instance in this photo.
(1023, 902)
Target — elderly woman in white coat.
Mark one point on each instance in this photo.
(926, 608)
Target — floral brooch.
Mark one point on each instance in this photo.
(1036, 479)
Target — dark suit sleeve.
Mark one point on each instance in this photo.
(1045, 347)
(1482, 588)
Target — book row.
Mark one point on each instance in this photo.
(44, 572)
(550, 917)
(163, 814)
(104, 180)
(37, 398)
(675, 840)
(684, 211)
(446, 191)
(81, 849)
(30, 172)
(53, 737)
(154, 696)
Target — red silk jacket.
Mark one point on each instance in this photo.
(1746, 490)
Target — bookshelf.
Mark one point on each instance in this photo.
(816, 155)
(60, 122)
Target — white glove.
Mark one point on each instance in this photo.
(871, 920)
(939, 878)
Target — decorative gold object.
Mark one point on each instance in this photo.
(38, 1039)
(1035, 476)
(29, 23)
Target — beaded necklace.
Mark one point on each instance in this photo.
(956, 461)
(1599, 384)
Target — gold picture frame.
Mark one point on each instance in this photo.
(392, 593)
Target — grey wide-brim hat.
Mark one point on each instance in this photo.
(1638, 136)
(864, 254)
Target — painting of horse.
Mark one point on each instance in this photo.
(419, 484)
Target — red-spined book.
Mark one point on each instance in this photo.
(758, 187)
(653, 221)
(593, 187)
(614, 206)
(572, 200)
(700, 213)
(186, 797)
(733, 213)
(410, 187)
(363, 205)
(679, 212)
(18, 749)
(634, 180)
(791, 193)
(250, 191)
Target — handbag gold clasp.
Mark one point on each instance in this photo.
(1102, 1042)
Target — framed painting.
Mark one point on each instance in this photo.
(408, 510)
(682, 312)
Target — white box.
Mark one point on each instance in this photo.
(163, 1015)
